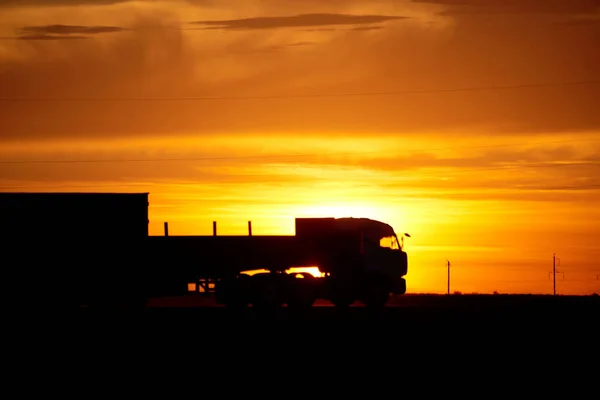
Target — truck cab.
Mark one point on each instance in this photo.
(381, 252)
(364, 258)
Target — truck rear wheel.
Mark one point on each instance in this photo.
(302, 292)
(266, 291)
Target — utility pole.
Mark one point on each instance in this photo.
(554, 271)
(448, 265)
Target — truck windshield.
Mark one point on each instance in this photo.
(390, 242)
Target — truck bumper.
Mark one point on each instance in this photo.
(399, 286)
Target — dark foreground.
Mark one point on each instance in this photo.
(491, 326)
(414, 310)
(508, 337)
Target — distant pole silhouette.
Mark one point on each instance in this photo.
(166, 229)
(554, 271)
(214, 228)
(249, 228)
(448, 265)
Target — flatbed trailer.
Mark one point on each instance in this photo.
(94, 249)
(346, 251)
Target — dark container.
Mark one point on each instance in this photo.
(72, 248)
(74, 215)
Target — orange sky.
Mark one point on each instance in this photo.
(494, 180)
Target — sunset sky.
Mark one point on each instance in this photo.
(473, 125)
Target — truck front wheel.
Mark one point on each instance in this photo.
(375, 295)
(341, 293)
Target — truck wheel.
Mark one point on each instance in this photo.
(375, 296)
(266, 293)
(341, 294)
(233, 293)
(267, 301)
(342, 304)
(342, 300)
(300, 304)
(302, 292)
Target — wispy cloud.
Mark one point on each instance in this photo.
(161, 60)
(50, 37)
(517, 6)
(367, 28)
(69, 29)
(297, 21)
(62, 32)
(57, 3)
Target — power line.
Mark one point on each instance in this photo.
(444, 173)
(146, 184)
(428, 173)
(297, 96)
(116, 160)
(284, 180)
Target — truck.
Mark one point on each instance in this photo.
(94, 249)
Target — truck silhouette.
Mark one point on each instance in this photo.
(94, 249)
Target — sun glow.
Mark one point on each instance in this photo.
(314, 271)
(339, 210)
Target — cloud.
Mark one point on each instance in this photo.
(69, 3)
(320, 30)
(557, 7)
(276, 48)
(541, 167)
(560, 162)
(367, 28)
(424, 52)
(297, 21)
(69, 29)
(50, 37)
(57, 3)
(63, 32)
(296, 44)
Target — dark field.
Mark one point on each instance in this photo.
(493, 327)
(417, 310)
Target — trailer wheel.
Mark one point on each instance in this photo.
(235, 292)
